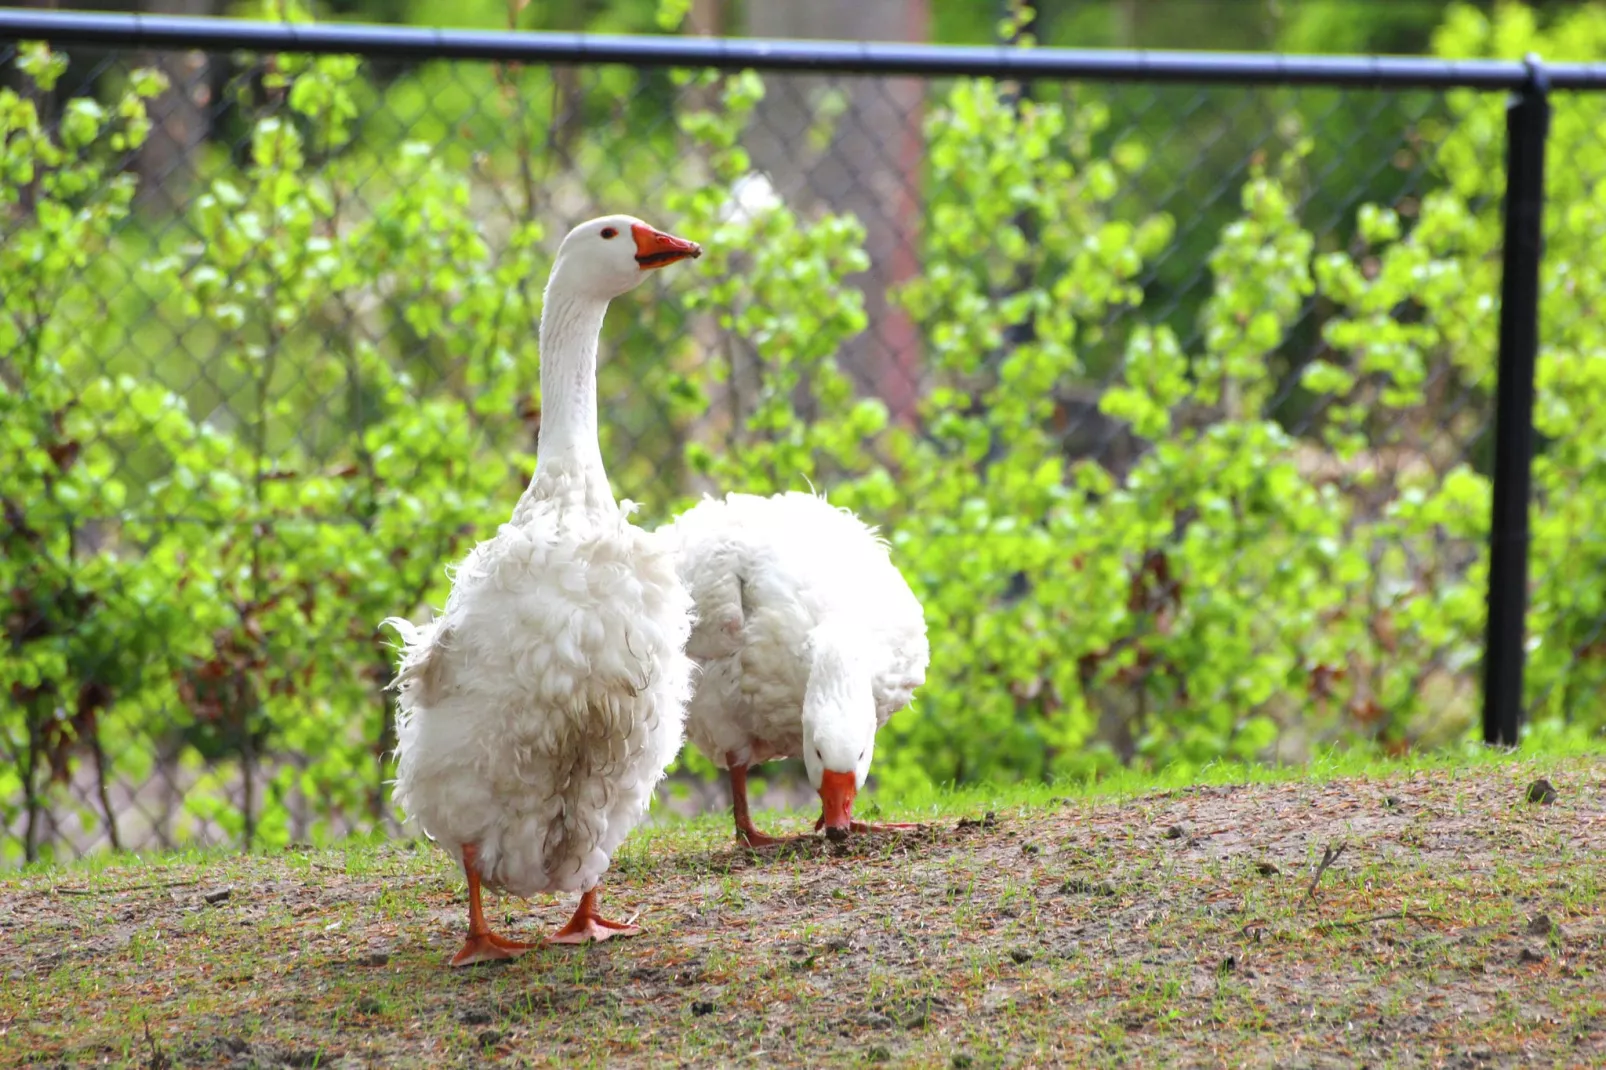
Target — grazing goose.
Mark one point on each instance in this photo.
(808, 639)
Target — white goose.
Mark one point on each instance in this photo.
(538, 711)
(809, 640)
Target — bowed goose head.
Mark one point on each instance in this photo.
(839, 723)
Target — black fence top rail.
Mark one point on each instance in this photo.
(839, 57)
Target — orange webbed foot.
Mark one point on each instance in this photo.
(890, 826)
(488, 947)
(861, 826)
(589, 926)
(587, 930)
(755, 839)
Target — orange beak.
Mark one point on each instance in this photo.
(836, 804)
(654, 248)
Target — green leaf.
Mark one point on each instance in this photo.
(81, 122)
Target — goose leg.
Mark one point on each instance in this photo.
(861, 826)
(482, 945)
(587, 924)
(744, 821)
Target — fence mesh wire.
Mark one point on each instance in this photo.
(1174, 401)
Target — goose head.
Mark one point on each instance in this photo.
(839, 726)
(609, 256)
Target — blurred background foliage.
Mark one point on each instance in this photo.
(1174, 403)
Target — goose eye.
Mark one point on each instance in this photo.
(861, 754)
(609, 232)
(818, 756)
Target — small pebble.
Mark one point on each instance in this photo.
(1542, 791)
(1530, 955)
(700, 1008)
(1174, 832)
(219, 896)
(1539, 926)
(1266, 869)
(489, 1037)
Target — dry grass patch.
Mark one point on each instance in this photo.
(1460, 926)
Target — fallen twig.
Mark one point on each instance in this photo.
(1397, 914)
(126, 888)
(1329, 856)
(158, 1059)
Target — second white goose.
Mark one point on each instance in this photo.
(809, 640)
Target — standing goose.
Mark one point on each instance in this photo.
(538, 711)
(808, 638)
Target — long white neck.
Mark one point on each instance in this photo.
(568, 456)
(835, 672)
(838, 701)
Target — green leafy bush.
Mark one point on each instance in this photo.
(1567, 609)
(78, 661)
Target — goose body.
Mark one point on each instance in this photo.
(538, 711)
(808, 639)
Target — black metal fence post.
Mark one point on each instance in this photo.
(1527, 128)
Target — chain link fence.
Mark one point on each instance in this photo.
(1175, 400)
